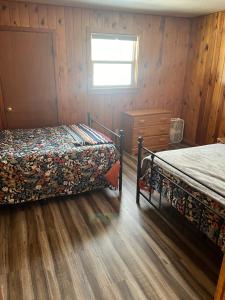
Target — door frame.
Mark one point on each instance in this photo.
(52, 33)
(3, 121)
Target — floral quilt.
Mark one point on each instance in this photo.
(211, 224)
(42, 163)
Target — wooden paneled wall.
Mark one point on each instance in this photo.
(204, 92)
(162, 64)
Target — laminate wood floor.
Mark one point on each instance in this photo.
(95, 246)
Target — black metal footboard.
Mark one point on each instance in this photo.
(118, 139)
(157, 174)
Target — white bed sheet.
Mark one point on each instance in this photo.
(204, 163)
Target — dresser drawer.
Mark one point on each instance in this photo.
(161, 129)
(143, 121)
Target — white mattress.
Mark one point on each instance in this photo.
(204, 163)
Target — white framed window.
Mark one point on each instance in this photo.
(114, 61)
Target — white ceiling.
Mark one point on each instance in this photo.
(183, 8)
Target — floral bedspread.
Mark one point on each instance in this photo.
(211, 224)
(41, 163)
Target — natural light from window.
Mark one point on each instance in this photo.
(113, 60)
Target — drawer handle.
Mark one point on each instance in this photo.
(141, 121)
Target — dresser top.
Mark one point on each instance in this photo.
(144, 112)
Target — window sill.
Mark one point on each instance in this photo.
(114, 90)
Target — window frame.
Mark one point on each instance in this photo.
(133, 63)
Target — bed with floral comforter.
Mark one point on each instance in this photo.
(207, 165)
(42, 163)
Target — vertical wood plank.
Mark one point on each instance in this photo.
(51, 13)
(221, 125)
(33, 14)
(4, 13)
(61, 67)
(24, 14)
(14, 14)
(43, 16)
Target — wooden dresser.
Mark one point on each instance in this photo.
(152, 125)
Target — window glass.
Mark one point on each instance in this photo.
(112, 74)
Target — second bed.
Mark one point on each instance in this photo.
(192, 180)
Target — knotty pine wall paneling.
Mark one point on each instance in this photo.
(204, 90)
(221, 123)
(162, 63)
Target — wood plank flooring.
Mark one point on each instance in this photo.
(95, 246)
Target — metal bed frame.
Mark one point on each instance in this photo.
(162, 177)
(118, 140)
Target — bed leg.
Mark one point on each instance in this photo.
(121, 132)
(140, 144)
